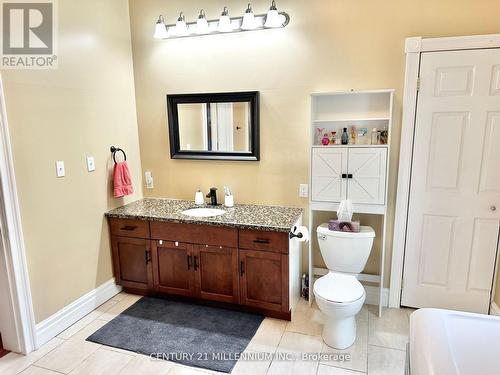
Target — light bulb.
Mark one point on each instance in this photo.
(225, 22)
(273, 18)
(201, 23)
(160, 29)
(180, 26)
(248, 19)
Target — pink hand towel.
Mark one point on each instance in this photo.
(122, 180)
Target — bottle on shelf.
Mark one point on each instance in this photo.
(354, 135)
(375, 138)
(345, 137)
(384, 136)
(333, 138)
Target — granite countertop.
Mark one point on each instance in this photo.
(248, 216)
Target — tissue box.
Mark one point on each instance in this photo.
(343, 226)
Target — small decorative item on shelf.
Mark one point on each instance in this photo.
(375, 140)
(384, 136)
(345, 137)
(319, 135)
(344, 226)
(362, 138)
(354, 135)
(333, 138)
(325, 141)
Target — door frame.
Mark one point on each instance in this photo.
(414, 47)
(18, 311)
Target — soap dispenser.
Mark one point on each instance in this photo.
(198, 197)
(228, 197)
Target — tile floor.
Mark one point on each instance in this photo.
(379, 348)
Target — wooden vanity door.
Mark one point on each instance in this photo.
(173, 268)
(132, 262)
(263, 279)
(216, 273)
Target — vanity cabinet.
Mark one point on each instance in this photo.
(261, 281)
(355, 173)
(173, 268)
(249, 268)
(132, 262)
(216, 273)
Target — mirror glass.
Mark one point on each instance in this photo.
(221, 127)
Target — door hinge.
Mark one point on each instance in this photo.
(402, 283)
(418, 83)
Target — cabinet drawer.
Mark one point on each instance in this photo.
(129, 228)
(195, 233)
(276, 242)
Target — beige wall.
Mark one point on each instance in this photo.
(328, 46)
(79, 109)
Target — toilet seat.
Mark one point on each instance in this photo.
(339, 288)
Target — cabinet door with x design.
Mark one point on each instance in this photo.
(355, 173)
(366, 169)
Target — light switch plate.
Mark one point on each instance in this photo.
(303, 190)
(60, 171)
(90, 164)
(149, 180)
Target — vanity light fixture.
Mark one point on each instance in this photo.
(201, 23)
(273, 18)
(225, 24)
(248, 19)
(160, 28)
(181, 28)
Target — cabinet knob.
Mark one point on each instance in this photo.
(176, 243)
(160, 242)
(493, 208)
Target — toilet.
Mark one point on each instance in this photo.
(339, 295)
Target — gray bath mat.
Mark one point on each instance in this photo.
(189, 334)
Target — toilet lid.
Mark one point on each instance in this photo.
(339, 288)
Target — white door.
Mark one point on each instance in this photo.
(454, 207)
(328, 165)
(366, 175)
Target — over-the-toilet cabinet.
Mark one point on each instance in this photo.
(355, 173)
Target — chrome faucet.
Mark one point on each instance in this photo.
(212, 194)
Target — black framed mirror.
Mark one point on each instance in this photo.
(219, 126)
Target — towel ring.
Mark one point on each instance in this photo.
(114, 150)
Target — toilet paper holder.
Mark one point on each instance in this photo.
(293, 235)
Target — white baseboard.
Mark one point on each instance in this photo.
(372, 295)
(70, 314)
(494, 309)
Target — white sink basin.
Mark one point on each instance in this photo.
(203, 212)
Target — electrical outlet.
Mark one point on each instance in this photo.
(90, 164)
(60, 171)
(149, 180)
(303, 190)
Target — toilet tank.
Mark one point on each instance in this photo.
(345, 251)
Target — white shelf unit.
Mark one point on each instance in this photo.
(369, 167)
